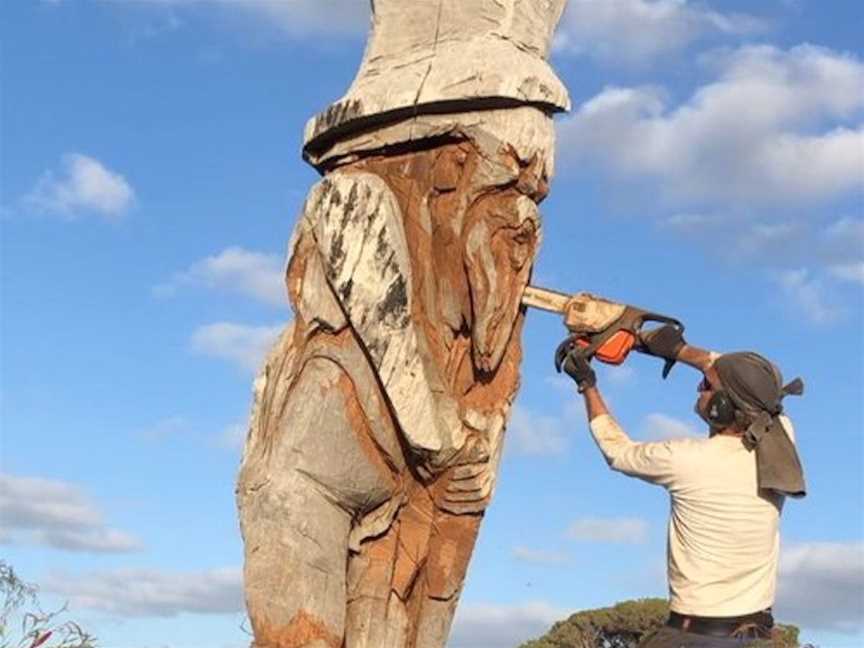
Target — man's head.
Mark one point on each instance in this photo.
(736, 389)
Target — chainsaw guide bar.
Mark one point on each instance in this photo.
(548, 300)
(582, 311)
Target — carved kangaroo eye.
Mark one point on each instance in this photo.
(525, 234)
(522, 246)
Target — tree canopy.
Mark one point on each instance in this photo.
(624, 624)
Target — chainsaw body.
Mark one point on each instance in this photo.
(602, 328)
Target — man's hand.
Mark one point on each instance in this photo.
(570, 359)
(665, 342)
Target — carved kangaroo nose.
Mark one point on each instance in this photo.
(525, 237)
(533, 180)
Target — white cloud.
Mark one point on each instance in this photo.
(540, 556)
(761, 237)
(805, 262)
(687, 222)
(659, 427)
(561, 383)
(243, 345)
(255, 274)
(779, 242)
(617, 530)
(618, 374)
(233, 436)
(501, 626)
(151, 593)
(777, 127)
(636, 31)
(821, 585)
(56, 514)
(171, 426)
(808, 295)
(167, 23)
(303, 18)
(97, 540)
(847, 232)
(532, 434)
(843, 241)
(83, 186)
(298, 19)
(849, 272)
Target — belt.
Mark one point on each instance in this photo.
(749, 626)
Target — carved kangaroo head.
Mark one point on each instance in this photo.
(501, 237)
(469, 189)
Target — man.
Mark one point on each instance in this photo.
(726, 491)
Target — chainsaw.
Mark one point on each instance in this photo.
(602, 328)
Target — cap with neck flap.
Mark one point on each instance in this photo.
(446, 56)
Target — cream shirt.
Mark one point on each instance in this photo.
(724, 535)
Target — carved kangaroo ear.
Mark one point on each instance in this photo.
(357, 226)
(358, 229)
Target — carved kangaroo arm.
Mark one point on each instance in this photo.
(357, 227)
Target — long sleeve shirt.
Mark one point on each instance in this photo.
(724, 534)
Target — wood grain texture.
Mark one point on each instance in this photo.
(435, 56)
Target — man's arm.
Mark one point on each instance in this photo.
(700, 359)
(653, 462)
(668, 342)
(594, 404)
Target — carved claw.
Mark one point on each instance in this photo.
(467, 487)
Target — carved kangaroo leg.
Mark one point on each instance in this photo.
(297, 528)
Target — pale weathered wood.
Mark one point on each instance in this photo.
(379, 415)
(447, 55)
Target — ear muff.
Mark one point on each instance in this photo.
(720, 411)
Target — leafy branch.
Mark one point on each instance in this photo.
(36, 627)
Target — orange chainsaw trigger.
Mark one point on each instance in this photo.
(614, 350)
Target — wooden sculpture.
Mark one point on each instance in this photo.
(379, 416)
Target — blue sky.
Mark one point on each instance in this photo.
(711, 169)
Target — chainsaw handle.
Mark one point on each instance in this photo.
(661, 319)
(632, 320)
(667, 367)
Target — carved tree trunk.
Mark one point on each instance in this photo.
(379, 416)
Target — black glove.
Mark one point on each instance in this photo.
(575, 364)
(664, 342)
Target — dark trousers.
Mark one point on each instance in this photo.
(668, 637)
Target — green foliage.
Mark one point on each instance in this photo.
(619, 626)
(624, 624)
(785, 636)
(23, 623)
